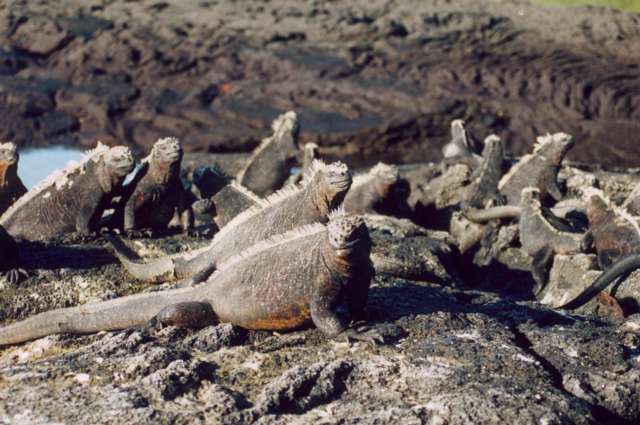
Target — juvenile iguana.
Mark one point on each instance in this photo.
(370, 191)
(72, 199)
(314, 274)
(615, 235)
(11, 187)
(538, 169)
(269, 165)
(322, 190)
(156, 192)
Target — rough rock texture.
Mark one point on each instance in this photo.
(366, 77)
(450, 356)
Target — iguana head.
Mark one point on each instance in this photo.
(8, 153)
(333, 180)
(530, 196)
(167, 150)
(553, 146)
(119, 161)
(286, 123)
(598, 207)
(384, 177)
(209, 180)
(348, 234)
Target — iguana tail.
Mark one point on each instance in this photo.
(120, 313)
(157, 270)
(624, 266)
(488, 214)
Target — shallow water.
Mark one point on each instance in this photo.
(37, 163)
(633, 5)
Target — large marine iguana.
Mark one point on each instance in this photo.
(11, 187)
(313, 274)
(156, 192)
(72, 199)
(371, 191)
(322, 190)
(269, 165)
(615, 235)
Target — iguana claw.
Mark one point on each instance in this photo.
(15, 275)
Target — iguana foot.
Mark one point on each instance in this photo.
(138, 233)
(361, 333)
(15, 275)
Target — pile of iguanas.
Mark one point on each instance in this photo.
(293, 249)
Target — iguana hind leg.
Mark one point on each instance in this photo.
(192, 315)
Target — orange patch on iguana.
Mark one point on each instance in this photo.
(4, 166)
(283, 321)
(608, 306)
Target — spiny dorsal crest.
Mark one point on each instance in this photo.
(246, 192)
(542, 141)
(60, 178)
(270, 243)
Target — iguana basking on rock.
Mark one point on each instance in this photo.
(485, 178)
(72, 199)
(370, 191)
(11, 187)
(9, 258)
(538, 169)
(156, 192)
(322, 191)
(542, 235)
(269, 165)
(615, 235)
(314, 274)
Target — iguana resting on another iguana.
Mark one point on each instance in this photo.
(11, 187)
(156, 192)
(616, 237)
(322, 190)
(269, 165)
(72, 199)
(314, 274)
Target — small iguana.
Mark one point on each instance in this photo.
(156, 192)
(485, 178)
(72, 199)
(269, 165)
(322, 191)
(615, 235)
(538, 169)
(9, 258)
(314, 274)
(370, 191)
(11, 187)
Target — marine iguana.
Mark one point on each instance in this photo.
(309, 154)
(615, 234)
(156, 192)
(538, 169)
(309, 275)
(9, 258)
(11, 187)
(323, 189)
(542, 236)
(268, 167)
(72, 199)
(485, 178)
(369, 191)
(463, 147)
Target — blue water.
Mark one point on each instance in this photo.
(37, 163)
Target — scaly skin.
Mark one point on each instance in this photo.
(268, 167)
(540, 238)
(369, 192)
(152, 199)
(306, 276)
(231, 200)
(538, 169)
(11, 187)
(485, 178)
(71, 200)
(322, 191)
